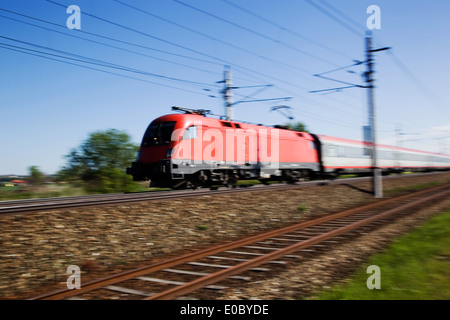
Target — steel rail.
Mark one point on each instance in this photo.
(239, 268)
(45, 204)
(98, 200)
(126, 275)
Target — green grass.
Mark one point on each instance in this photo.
(56, 190)
(412, 188)
(19, 193)
(416, 266)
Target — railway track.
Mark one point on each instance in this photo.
(44, 204)
(193, 275)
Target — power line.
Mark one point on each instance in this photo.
(425, 91)
(143, 33)
(342, 23)
(134, 44)
(295, 33)
(417, 83)
(321, 118)
(109, 38)
(253, 71)
(288, 66)
(186, 48)
(97, 62)
(26, 51)
(353, 30)
(254, 32)
(221, 41)
(224, 61)
(108, 45)
(356, 24)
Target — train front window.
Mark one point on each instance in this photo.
(158, 134)
(190, 133)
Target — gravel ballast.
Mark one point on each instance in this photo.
(37, 248)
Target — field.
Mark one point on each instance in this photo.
(47, 191)
(416, 266)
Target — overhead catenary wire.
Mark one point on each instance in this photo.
(84, 59)
(290, 31)
(424, 90)
(346, 17)
(223, 61)
(114, 39)
(260, 73)
(338, 20)
(216, 58)
(266, 58)
(143, 33)
(45, 56)
(277, 41)
(111, 46)
(397, 61)
(318, 111)
(274, 78)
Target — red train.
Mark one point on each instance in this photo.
(191, 150)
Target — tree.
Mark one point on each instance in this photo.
(299, 126)
(100, 161)
(36, 176)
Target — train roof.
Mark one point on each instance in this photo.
(192, 119)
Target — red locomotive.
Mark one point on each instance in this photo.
(191, 150)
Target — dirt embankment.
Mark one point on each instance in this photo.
(37, 248)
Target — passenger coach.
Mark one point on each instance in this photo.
(352, 156)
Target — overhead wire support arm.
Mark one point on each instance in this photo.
(350, 85)
(336, 89)
(340, 81)
(281, 107)
(357, 63)
(228, 94)
(264, 87)
(259, 100)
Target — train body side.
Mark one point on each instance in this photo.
(352, 156)
(185, 146)
(182, 149)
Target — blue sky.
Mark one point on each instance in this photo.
(48, 107)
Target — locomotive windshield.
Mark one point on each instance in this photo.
(158, 134)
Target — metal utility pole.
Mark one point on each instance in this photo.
(377, 173)
(368, 130)
(228, 94)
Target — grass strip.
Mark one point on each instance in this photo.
(416, 266)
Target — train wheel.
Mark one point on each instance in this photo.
(180, 185)
(230, 181)
(192, 185)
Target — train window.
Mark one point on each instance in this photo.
(159, 133)
(237, 125)
(331, 151)
(340, 151)
(190, 133)
(226, 124)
